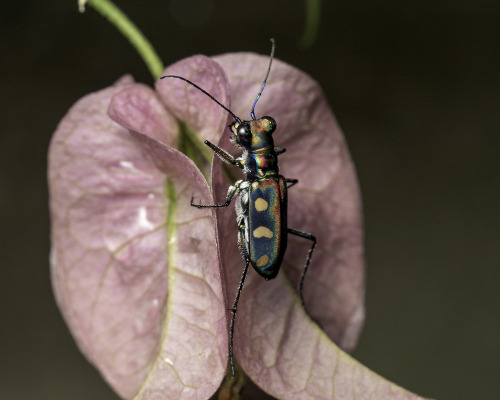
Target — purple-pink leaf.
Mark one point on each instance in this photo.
(135, 272)
(144, 280)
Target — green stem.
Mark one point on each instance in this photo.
(313, 14)
(107, 9)
(189, 144)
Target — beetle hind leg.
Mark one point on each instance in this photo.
(233, 311)
(244, 251)
(312, 238)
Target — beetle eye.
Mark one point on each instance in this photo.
(244, 132)
(272, 124)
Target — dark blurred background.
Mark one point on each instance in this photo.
(415, 87)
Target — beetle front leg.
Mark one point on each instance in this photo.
(222, 154)
(231, 192)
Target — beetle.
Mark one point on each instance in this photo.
(262, 197)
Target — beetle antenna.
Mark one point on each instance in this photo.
(265, 80)
(208, 94)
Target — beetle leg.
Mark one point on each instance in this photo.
(221, 153)
(291, 182)
(279, 150)
(233, 311)
(312, 238)
(231, 192)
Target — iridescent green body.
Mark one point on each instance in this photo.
(262, 205)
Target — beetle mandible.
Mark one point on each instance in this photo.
(261, 205)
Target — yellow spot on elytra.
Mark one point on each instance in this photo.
(260, 204)
(262, 231)
(255, 185)
(262, 262)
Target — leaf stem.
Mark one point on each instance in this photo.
(114, 15)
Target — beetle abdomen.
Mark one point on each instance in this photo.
(267, 225)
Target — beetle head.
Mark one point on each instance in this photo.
(254, 134)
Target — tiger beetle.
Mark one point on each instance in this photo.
(261, 207)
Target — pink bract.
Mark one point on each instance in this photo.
(144, 280)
